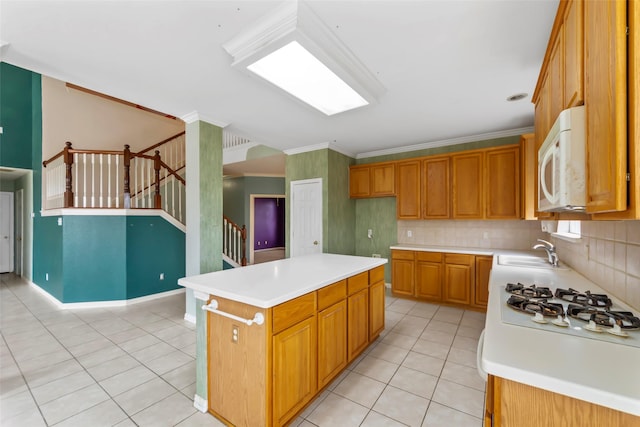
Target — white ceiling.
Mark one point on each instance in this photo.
(447, 66)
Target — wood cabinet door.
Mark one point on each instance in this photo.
(294, 369)
(383, 180)
(467, 186)
(529, 176)
(408, 189)
(359, 180)
(459, 278)
(429, 280)
(376, 309)
(436, 186)
(483, 271)
(332, 342)
(605, 94)
(556, 78)
(502, 183)
(357, 323)
(572, 30)
(402, 276)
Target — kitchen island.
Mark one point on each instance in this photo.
(279, 332)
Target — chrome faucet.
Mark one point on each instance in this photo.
(550, 249)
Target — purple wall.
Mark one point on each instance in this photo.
(268, 223)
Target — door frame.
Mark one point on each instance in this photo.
(9, 215)
(19, 216)
(292, 246)
(252, 202)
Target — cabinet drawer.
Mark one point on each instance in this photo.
(461, 259)
(429, 256)
(291, 312)
(402, 255)
(376, 275)
(332, 294)
(358, 282)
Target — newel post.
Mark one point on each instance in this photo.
(157, 200)
(127, 163)
(68, 161)
(243, 233)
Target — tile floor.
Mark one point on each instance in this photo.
(135, 365)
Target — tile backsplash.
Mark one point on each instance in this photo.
(520, 235)
(609, 254)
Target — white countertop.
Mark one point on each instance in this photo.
(268, 284)
(603, 373)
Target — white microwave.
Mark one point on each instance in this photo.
(561, 164)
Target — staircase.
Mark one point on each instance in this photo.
(152, 178)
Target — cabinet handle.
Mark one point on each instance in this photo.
(258, 319)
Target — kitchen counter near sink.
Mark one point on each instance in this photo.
(599, 372)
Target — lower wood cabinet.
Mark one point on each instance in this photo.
(403, 273)
(358, 320)
(513, 404)
(332, 342)
(294, 361)
(265, 375)
(458, 279)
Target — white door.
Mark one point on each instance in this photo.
(306, 217)
(6, 232)
(19, 231)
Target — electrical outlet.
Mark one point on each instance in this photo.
(235, 334)
(409, 233)
(375, 256)
(485, 235)
(59, 221)
(370, 233)
(161, 276)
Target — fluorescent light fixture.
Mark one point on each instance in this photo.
(294, 50)
(294, 69)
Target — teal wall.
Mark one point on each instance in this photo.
(113, 258)
(47, 257)
(94, 258)
(338, 211)
(16, 110)
(153, 246)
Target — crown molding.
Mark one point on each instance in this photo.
(316, 147)
(446, 142)
(194, 116)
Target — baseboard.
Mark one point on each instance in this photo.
(200, 403)
(104, 304)
(190, 318)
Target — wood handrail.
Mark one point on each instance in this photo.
(174, 173)
(46, 162)
(162, 142)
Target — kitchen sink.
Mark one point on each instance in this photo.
(528, 261)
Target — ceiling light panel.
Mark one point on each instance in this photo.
(294, 30)
(295, 70)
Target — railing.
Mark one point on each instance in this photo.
(234, 241)
(118, 179)
(230, 140)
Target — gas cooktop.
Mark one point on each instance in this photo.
(568, 311)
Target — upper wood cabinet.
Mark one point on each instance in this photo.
(502, 183)
(573, 48)
(467, 186)
(436, 185)
(605, 40)
(374, 180)
(408, 197)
